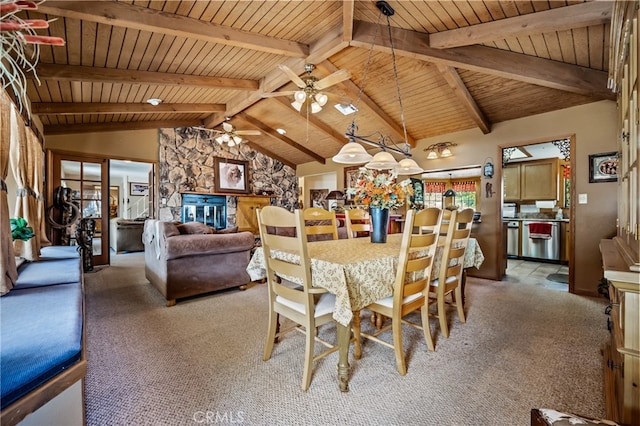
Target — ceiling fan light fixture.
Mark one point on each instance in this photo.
(315, 107)
(321, 99)
(237, 140)
(300, 96)
(220, 140)
(352, 153)
(296, 105)
(408, 166)
(382, 161)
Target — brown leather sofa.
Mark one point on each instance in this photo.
(183, 260)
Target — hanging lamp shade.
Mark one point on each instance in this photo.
(352, 153)
(382, 161)
(408, 166)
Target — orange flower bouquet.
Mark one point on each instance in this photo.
(376, 189)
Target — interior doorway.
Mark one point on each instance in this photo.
(132, 183)
(538, 187)
(78, 186)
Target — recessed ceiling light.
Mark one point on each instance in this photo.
(154, 101)
(346, 109)
(281, 131)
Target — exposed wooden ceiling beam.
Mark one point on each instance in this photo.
(488, 60)
(348, 8)
(354, 90)
(113, 75)
(282, 138)
(552, 20)
(62, 129)
(318, 124)
(466, 100)
(142, 18)
(70, 108)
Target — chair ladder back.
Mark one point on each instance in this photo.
(315, 220)
(357, 220)
(274, 246)
(417, 251)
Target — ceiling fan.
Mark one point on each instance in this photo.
(230, 135)
(310, 88)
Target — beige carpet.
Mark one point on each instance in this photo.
(200, 362)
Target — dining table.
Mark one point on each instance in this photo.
(358, 272)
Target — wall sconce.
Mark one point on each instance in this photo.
(439, 150)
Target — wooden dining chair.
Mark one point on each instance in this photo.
(449, 280)
(411, 284)
(320, 224)
(291, 294)
(357, 221)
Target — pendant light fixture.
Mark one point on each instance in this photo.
(354, 153)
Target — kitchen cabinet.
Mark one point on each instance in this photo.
(539, 180)
(246, 217)
(531, 180)
(511, 178)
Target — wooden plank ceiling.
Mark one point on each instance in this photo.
(461, 65)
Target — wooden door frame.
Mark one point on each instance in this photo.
(572, 192)
(54, 157)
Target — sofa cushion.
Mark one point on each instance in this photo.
(193, 228)
(196, 245)
(231, 230)
(41, 336)
(59, 252)
(39, 274)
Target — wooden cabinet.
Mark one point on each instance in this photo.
(620, 255)
(246, 217)
(539, 180)
(511, 178)
(622, 354)
(531, 180)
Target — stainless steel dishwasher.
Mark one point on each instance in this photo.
(513, 237)
(541, 248)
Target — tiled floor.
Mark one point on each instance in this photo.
(519, 270)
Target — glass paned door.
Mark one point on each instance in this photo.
(84, 180)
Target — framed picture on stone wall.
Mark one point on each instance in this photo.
(231, 175)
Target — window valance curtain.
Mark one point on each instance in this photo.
(464, 186)
(435, 187)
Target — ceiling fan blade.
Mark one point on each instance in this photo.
(274, 94)
(207, 129)
(293, 76)
(227, 127)
(248, 132)
(332, 79)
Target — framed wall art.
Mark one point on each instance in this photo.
(603, 167)
(318, 198)
(231, 175)
(351, 176)
(139, 189)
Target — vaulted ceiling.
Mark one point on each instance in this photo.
(461, 65)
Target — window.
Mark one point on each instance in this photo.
(466, 190)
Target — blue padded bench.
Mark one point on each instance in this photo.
(41, 339)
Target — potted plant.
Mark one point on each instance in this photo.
(20, 229)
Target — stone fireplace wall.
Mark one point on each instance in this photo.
(186, 163)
